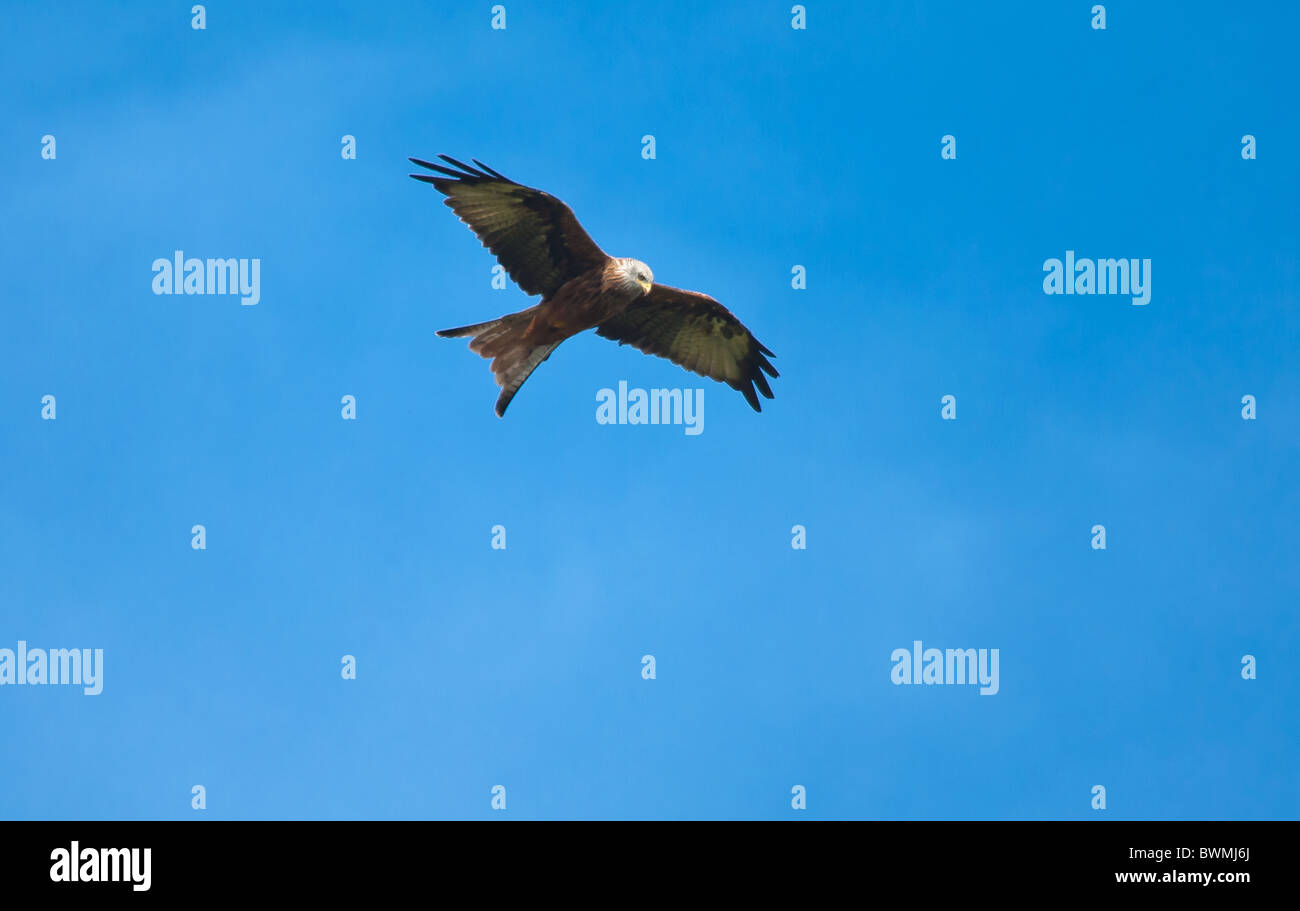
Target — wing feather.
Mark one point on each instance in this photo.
(535, 236)
(696, 332)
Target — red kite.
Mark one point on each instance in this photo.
(541, 244)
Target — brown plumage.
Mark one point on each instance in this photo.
(546, 251)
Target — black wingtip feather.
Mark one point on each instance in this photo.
(460, 170)
(436, 167)
(497, 174)
(472, 172)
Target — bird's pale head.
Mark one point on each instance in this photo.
(636, 274)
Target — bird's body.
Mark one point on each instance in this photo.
(541, 244)
(586, 301)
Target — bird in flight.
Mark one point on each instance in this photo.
(537, 239)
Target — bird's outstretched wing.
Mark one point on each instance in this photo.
(698, 333)
(533, 234)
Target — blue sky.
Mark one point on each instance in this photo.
(522, 667)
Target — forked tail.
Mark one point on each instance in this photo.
(514, 357)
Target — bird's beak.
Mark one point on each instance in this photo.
(646, 286)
